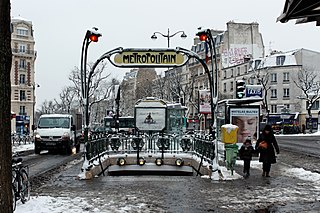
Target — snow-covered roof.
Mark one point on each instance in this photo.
(19, 18)
(271, 60)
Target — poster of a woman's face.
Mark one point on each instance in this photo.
(247, 120)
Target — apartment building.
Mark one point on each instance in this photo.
(279, 72)
(136, 84)
(233, 47)
(22, 75)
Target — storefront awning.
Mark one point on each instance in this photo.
(302, 10)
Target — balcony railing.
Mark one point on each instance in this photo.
(26, 52)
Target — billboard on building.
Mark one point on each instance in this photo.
(204, 102)
(247, 119)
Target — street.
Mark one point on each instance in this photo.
(290, 189)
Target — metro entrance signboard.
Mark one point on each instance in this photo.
(151, 57)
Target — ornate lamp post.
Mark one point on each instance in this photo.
(168, 36)
(206, 36)
(90, 36)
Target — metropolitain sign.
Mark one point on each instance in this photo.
(152, 57)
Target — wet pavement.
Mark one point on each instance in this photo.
(280, 193)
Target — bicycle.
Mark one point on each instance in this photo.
(20, 182)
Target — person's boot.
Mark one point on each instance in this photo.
(267, 174)
(263, 174)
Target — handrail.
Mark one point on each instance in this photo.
(100, 144)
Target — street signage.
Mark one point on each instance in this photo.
(254, 91)
(204, 102)
(149, 57)
(150, 115)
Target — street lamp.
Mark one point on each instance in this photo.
(168, 36)
(206, 36)
(90, 36)
(34, 85)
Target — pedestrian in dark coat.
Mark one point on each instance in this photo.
(266, 146)
(245, 154)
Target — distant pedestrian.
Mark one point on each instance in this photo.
(245, 154)
(266, 146)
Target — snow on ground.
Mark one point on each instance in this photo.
(22, 147)
(48, 204)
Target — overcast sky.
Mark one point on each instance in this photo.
(59, 28)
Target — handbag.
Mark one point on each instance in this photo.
(263, 145)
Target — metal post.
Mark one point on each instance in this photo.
(33, 105)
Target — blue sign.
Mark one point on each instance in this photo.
(254, 91)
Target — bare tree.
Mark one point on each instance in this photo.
(263, 77)
(98, 85)
(264, 81)
(67, 96)
(5, 105)
(48, 107)
(308, 82)
(174, 80)
(160, 83)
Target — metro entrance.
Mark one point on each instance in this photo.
(171, 146)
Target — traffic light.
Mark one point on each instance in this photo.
(240, 89)
(202, 36)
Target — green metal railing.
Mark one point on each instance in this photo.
(100, 144)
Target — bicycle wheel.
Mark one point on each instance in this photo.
(14, 188)
(14, 200)
(25, 186)
(15, 180)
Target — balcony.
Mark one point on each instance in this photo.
(26, 52)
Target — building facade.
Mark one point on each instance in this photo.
(233, 47)
(278, 74)
(136, 84)
(23, 75)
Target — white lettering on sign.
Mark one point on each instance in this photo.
(253, 90)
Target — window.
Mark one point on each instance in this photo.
(256, 64)
(245, 68)
(315, 105)
(287, 106)
(224, 74)
(286, 92)
(273, 77)
(22, 110)
(22, 31)
(22, 48)
(273, 108)
(273, 93)
(22, 95)
(22, 63)
(231, 86)
(224, 87)
(22, 79)
(280, 60)
(202, 46)
(238, 71)
(286, 77)
(231, 73)
(251, 81)
(200, 71)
